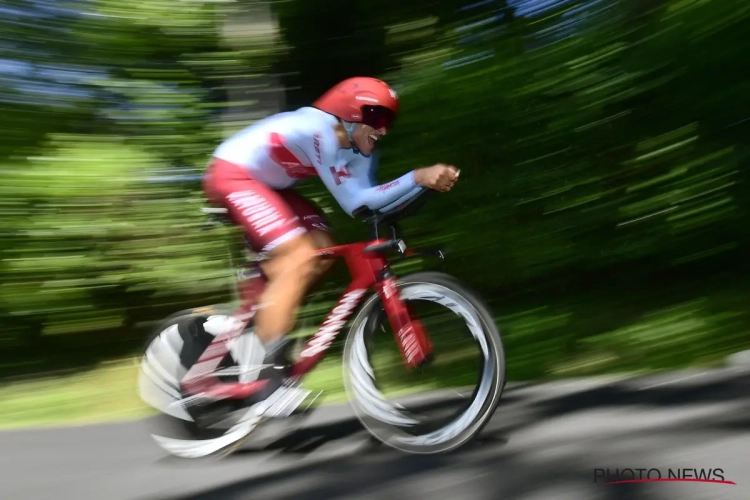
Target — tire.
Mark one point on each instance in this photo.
(170, 351)
(388, 423)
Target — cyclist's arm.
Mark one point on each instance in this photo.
(411, 194)
(351, 194)
(358, 190)
(372, 178)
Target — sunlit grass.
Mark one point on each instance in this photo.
(107, 393)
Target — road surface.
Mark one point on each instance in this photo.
(544, 442)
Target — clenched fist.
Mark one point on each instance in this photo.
(439, 177)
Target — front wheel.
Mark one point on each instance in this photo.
(404, 424)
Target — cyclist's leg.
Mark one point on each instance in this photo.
(292, 273)
(317, 226)
(273, 228)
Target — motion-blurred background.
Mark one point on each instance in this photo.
(602, 211)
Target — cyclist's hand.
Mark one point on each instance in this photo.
(440, 177)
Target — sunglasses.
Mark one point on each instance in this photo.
(377, 117)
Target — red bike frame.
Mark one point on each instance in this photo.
(368, 268)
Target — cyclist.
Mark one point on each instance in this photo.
(252, 172)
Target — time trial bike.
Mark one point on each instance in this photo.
(197, 378)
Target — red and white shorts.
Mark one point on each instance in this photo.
(269, 217)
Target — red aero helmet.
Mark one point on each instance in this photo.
(361, 99)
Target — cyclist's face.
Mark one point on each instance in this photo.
(366, 138)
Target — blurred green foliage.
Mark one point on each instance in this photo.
(602, 205)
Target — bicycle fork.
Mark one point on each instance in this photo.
(416, 348)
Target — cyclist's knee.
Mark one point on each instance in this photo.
(296, 255)
(322, 239)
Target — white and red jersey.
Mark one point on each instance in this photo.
(285, 148)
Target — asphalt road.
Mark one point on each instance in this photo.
(544, 442)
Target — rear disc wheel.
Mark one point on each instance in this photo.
(184, 429)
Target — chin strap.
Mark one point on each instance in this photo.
(349, 127)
